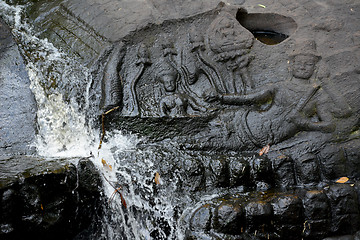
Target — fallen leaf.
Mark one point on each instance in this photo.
(264, 150)
(41, 206)
(157, 178)
(260, 5)
(106, 165)
(342, 180)
(306, 225)
(103, 162)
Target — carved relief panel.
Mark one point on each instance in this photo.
(210, 65)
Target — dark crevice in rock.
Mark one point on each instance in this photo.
(268, 28)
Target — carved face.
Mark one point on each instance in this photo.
(303, 66)
(169, 81)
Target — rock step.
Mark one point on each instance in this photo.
(48, 199)
(297, 214)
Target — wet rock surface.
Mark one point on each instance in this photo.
(220, 87)
(18, 107)
(42, 198)
(242, 209)
(277, 215)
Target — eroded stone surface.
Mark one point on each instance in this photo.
(297, 214)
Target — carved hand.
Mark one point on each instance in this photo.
(212, 97)
(307, 125)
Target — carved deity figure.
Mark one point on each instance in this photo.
(286, 108)
(174, 104)
(131, 106)
(231, 44)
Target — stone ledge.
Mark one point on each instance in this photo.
(48, 198)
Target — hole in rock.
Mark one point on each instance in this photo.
(268, 28)
(269, 37)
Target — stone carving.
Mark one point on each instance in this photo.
(175, 101)
(230, 43)
(298, 104)
(142, 61)
(111, 83)
(211, 69)
(225, 45)
(207, 80)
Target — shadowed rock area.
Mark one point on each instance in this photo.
(48, 198)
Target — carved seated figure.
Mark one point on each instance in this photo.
(174, 104)
(291, 106)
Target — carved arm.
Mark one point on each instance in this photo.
(252, 98)
(325, 123)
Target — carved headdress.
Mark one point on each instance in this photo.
(227, 38)
(307, 48)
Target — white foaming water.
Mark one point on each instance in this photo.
(64, 132)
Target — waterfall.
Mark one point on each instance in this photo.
(61, 86)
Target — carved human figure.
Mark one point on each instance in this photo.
(231, 44)
(131, 106)
(173, 104)
(285, 108)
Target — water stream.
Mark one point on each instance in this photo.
(61, 88)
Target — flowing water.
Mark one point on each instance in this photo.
(61, 88)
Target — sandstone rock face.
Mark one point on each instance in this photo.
(225, 82)
(220, 81)
(246, 79)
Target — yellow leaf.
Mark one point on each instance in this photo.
(41, 206)
(157, 178)
(106, 165)
(103, 162)
(260, 5)
(264, 150)
(342, 180)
